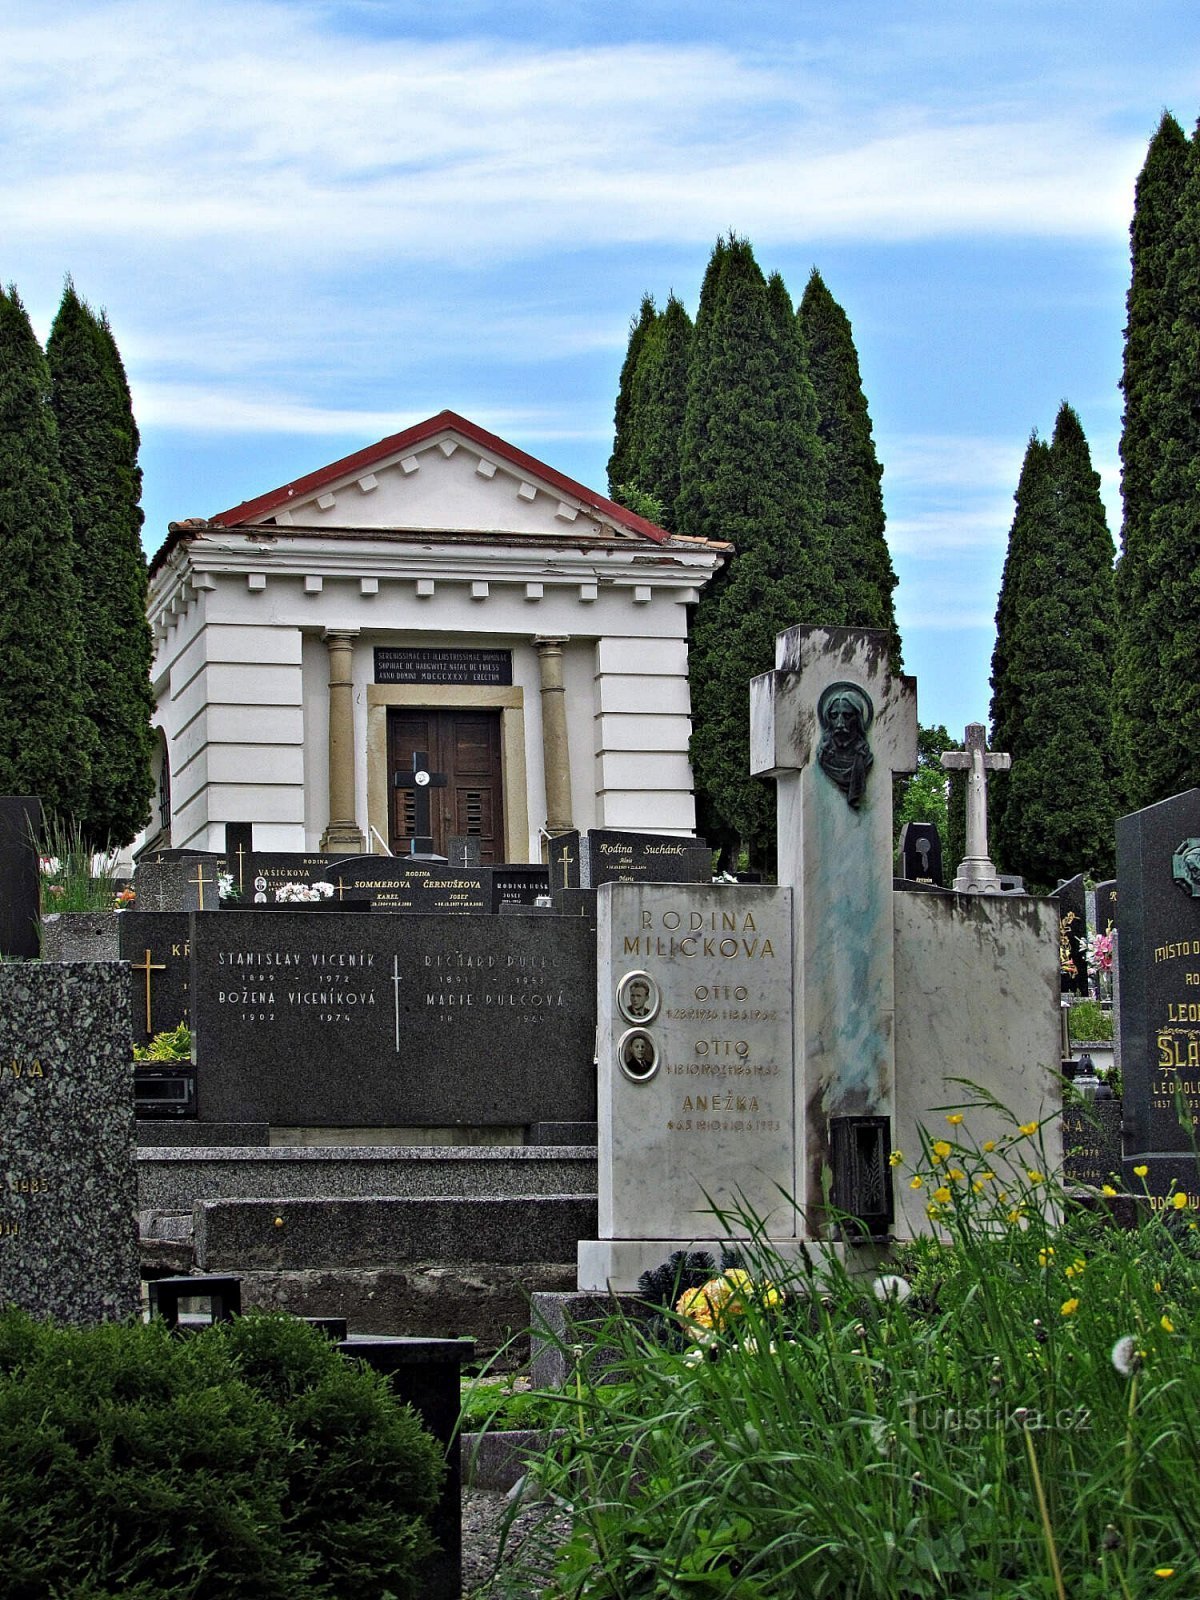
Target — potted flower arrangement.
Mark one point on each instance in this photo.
(165, 1075)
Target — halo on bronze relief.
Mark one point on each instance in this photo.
(845, 712)
(637, 1055)
(633, 1005)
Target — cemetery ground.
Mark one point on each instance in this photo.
(1007, 1407)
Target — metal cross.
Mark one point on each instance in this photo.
(420, 780)
(147, 966)
(565, 859)
(200, 880)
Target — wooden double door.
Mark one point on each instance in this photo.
(464, 748)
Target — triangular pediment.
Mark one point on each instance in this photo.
(443, 476)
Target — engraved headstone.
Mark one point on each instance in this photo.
(1091, 1135)
(1106, 906)
(464, 850)
(190, 883)
(20, 880)
(393, 1021)
(156, 946)
(1072, 935)
(400, 883)
(563, 852)
(258, 876)
(695, 1071)
(239, 847)
(68, 1188)
(1158, 874)
(612, 857)
(921, 853)
(519, 885)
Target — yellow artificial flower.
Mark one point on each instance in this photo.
(1140, 1172)
(989, 1145)
(1069, 1307)
(896, 1157)
(941, 1150)
(942, 1196)
(1166, 1324)
(954, 1118)
(1180, 1202)
(917, 1182)
(1029, 1129)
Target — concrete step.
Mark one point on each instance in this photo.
(174, 1179)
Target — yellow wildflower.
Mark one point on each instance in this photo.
(1180, 1202)
(1164, 1572)
(1015, 1214)
(942, 1196)
(989, 1145)
(941, 1149)
(954, 1118)
(1046, 1256)
(1108, 1189)
(1028, 1129)
(1140, 1172)
(977, 1187)
(917, 1182)
(1035, 1177)
(1166, 1324)
(956, 1175)
(1069, 1307)
(896, 1157)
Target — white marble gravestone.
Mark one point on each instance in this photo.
(832, 725)
(695, 1092)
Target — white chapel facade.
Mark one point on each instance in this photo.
(439, 596)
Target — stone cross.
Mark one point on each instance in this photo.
(976, 874)
(832, 725)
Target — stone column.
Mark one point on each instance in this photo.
(556, 752)
(832, 726)
(343, 835)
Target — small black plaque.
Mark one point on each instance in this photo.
(426, 664)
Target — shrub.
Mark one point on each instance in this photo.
(229, 1463)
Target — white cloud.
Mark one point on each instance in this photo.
(257, 129)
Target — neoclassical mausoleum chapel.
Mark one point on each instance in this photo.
(442, 595)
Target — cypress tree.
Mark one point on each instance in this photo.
(98, 445)
(750, 472)
(44, 735)
(660, 389)
(1054, 812)
(854, 516)
(623, 463)
(1159, 238)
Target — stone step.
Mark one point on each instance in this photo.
(174, 1179)
(296, 1235)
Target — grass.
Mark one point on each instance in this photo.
(1014, 1413)
(72, 877)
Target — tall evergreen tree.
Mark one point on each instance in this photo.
(44, 735)
(659, 406)
(751, 472)
(1160, 246)
(1054, 812)
(854, 515)
(98, 445)
(623, 463)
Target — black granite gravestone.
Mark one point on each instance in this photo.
(1091, 1135)
(1106, 906)
(519, 885)
(464, 850)
(239, 847)
(258, 877)
(393, 1021)
(398, 883)
(20, 879)
(563, 853)
(1072, 931)
(183, 883)
(1158, 874)
(155, 944)
(68, 1189)
(610, 857)
(921, 853)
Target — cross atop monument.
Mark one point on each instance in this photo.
(420, 780)
(976, 874)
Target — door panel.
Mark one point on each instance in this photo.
(464, 746)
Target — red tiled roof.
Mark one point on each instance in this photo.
(265, 505)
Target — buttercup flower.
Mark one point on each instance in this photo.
(954, 1118)
(1028, 1129)
(989, 1145)
(956, 1174)
(941, 1149)
(896, 1157)
(1164, 1572)
(1166, 1324)
(1035, 1177)
(916, 1182)
(942, 1196)
(1046, 1256)
(1107, 1189)
(1140, 1172)
(1069, 1307)
(1180, 1202)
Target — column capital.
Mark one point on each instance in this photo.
(330, 634)
(547, 641)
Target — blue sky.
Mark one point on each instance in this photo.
(312, 224)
